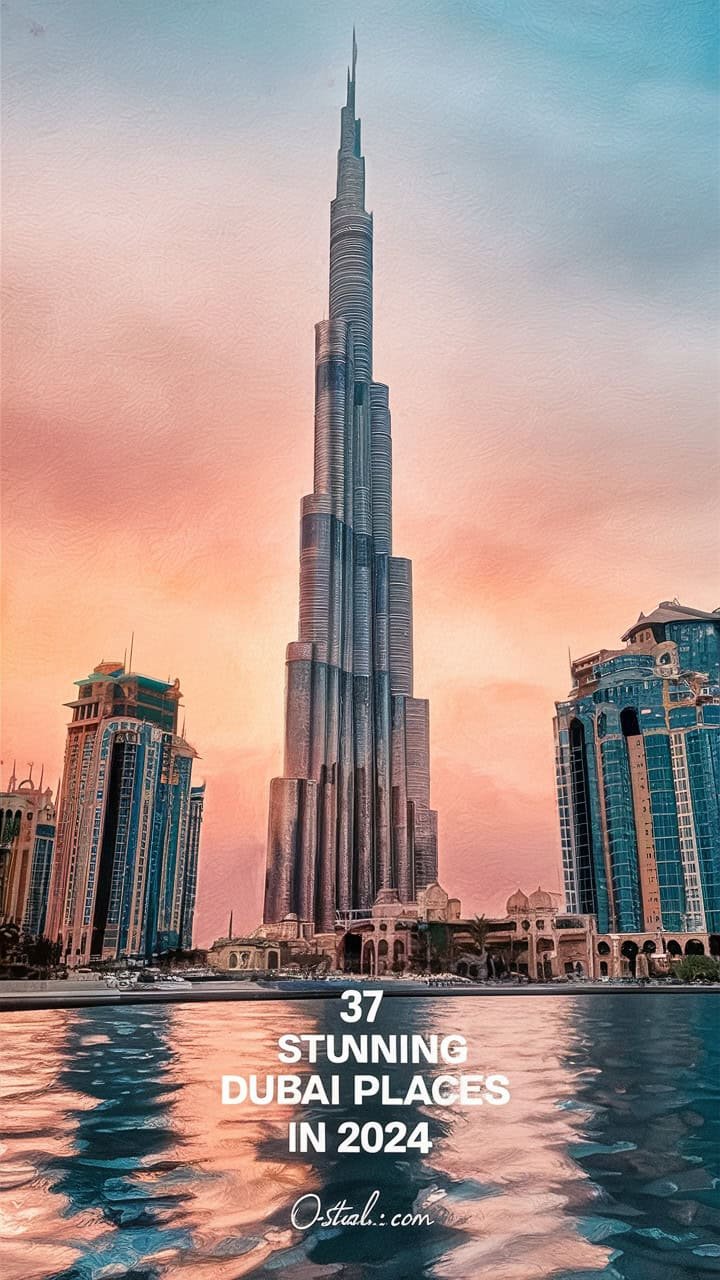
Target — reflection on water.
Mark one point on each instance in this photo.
(118, 1159)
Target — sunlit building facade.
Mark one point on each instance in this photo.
(27, 840)
(638, 777)
(351, 816)
(125, 870)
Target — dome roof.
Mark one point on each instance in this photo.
(434, 892)
(540, 900)
(517, 901)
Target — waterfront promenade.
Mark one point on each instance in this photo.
(68, 994)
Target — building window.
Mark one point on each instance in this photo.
(629, 722)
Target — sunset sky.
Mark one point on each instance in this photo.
(544, 182)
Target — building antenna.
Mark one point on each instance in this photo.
(230, 925)
(132, 643)
(125, 661)
(30, 767)
(42, 774)
(13, 779)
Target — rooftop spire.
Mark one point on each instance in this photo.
(351, 75)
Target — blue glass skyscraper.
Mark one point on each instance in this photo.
(638, 777)
(124, 876)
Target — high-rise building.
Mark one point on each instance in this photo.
(124, 874)
(27, 839)
(351, 816)
(638, 777)
(178, 888)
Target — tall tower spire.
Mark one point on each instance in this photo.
(350, 99)
(351, 234)
(351, 816)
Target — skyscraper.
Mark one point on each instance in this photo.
(638, 776)
(27, 838)
(186, 913)
(124, 874)
(351, 816)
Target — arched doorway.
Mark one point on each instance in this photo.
(544, 963)
(233, 961)
(398, 955)
(382, 953)
(352, 953)
(694, 947)
(273, 960)
(629, 950)
(674, 948)
(714, 944)
(368, 957)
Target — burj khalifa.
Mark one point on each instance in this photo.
(351, 816)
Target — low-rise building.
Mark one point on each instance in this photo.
(536, 938)
(643, 955)
(246, 955)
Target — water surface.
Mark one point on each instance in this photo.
(118, 1159)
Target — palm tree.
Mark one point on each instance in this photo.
(478, 930)
(9, 938)
(440, 949)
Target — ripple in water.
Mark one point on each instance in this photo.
(118, 1160)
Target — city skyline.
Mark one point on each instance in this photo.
(551, 552)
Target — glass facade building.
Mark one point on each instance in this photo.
(351, 816)
(124, 877)
(638, 777)
(36, 905)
